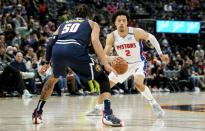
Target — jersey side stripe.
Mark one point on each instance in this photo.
(142, 56)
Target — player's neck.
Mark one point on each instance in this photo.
(124, 33)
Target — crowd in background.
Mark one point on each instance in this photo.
(27, 25)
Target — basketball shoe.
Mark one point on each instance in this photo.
(26, 94)
(111, 120)
(94, 112)
(37, 117)
(158, 110)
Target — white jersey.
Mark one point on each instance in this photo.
(128, 48)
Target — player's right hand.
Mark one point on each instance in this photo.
(115, 59)
(44, 68)
(109, 69)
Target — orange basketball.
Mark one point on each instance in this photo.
(120, 65)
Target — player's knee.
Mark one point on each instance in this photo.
(104, 83)
(139, 86)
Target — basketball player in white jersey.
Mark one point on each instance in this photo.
(128, 45)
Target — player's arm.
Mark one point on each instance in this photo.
(96, 42)
(49, 48)
(140, 34)
(108, 46)
(98, 46)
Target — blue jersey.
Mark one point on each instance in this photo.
(68, 50)
(76, 30)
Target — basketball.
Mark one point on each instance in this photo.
(120, 65)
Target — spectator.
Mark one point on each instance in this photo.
(30, 54)
(9, 54)
(60, 86)
(10, 33)
(168, 7)
(11, 80)
(179, 60)
(199, 54)
(2, 41)
(111, 7)
(33, 41)
(185, 77)
(28, 76)
(129, 85)
(202, 79)
(2, 55)
(24, 30)
(42, 11)
(19, 20)
(140, 10)
(71, 82)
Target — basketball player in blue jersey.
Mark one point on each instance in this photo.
(127, 42)
(68, 48)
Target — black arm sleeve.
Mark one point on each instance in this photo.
(49, 48)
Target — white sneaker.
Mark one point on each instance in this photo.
(121, 91)
(27, 75)
(197, 89)
(26, 94)
(158, 110)
(166, 90)
(94, 112)
(160, 90)
(154, 90)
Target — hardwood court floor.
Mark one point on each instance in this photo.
(68, 113)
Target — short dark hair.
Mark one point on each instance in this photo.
(120, 12)
(83, 11)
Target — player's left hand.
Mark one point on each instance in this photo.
(164, 58)
(109, 69)
(44, 68)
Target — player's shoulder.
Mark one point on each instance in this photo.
(92, 23)
(138, 30)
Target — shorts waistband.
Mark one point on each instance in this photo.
(65, 42)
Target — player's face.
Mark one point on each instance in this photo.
(121, 23)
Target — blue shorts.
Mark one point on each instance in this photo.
(76, 57)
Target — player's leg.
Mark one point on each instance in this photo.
(144, 90)
(108, 117)
(113, 79)
(59, 67)
(45, 94)
(100, 96)
(92, 71)
(139, 77)
(97, 110)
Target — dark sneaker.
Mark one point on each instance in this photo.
(111, 120)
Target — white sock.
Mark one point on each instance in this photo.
(99, 106)
(147, 94)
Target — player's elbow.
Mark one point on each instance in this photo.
(95, 41)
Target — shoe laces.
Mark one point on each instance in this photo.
(112, 117)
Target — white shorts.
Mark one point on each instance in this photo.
(138, 68)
